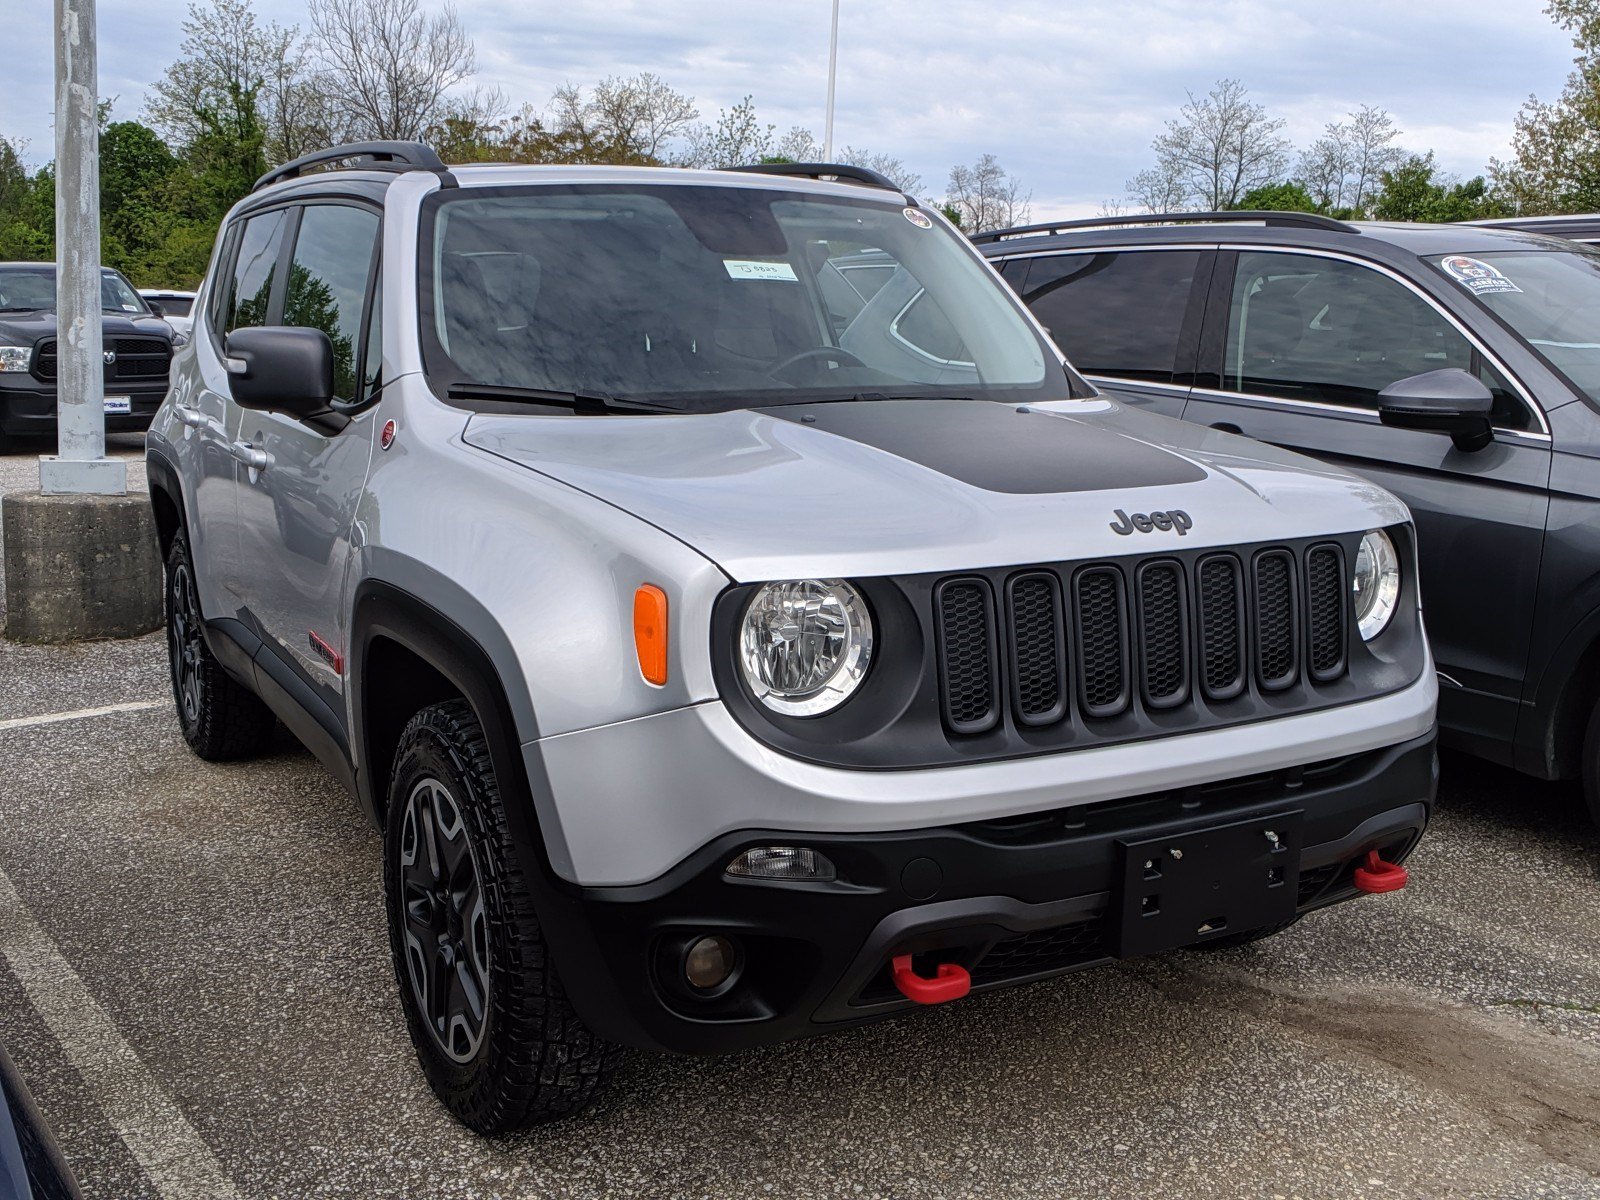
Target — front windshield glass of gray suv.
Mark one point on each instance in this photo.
(27, 288)
(1550, 297)
(716, 297)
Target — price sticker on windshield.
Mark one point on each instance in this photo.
(750, 268)
(1477, 276)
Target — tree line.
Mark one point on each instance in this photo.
(1224, 151)
(246, 94)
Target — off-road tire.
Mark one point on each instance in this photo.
(535, 1061)
(221, 719)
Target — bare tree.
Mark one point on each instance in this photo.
(621, 120)
(1112, 208)
(738, 137)
(1221, 146)
(1159, 189)
(1343, 168)
(985, 197)
(387, 66)
(226, 53)
(887, 165)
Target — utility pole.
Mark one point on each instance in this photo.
(833, 73)
(80, 466)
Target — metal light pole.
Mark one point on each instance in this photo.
(833, 71)
(81, 465)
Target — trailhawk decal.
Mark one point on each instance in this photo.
(1477, 276)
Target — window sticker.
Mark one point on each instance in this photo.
(920, 219)
(750, 268)
(1476, 276)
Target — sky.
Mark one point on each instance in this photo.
(1066, 93)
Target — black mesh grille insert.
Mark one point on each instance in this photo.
(1038, 654)
(1221, 646)
(1102, 636)
(966, 639)
(1042, 950)
(1325, 600)
(1163, 634)
(1275, 619)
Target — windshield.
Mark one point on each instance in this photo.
(1550, 297)
(34, 287)
(704, 298)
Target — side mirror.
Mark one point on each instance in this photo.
(155, 308)
(281, 369)
(1448, 401)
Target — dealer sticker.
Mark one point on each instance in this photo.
(1477, 276)
(750, 268)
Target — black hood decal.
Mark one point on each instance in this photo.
(998, 447)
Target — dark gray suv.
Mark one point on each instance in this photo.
(1458, 366)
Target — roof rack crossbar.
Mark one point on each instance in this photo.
(822, 171)
(1291, 220)
(383, 156)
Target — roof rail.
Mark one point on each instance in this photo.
(823, 171)
(384, 156)
(1282, 220)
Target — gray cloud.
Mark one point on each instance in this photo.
(1067, 95)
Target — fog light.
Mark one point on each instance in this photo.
(709, 963)
(782, 862)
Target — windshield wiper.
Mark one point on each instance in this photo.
(577, 401)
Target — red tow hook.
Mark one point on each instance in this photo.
(1378, 876)
(950, 983)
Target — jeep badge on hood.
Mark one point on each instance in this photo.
(1144, 522)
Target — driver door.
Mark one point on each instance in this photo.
(1296, 348)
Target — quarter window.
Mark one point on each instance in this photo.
(1118, 314)
(328, 282)
(1303, 327)
(255, 268)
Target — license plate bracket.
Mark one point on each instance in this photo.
(119, 404)
(1192, 887)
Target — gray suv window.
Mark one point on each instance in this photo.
(255, 267)
(1304, 327)
(328, 281)
(1116, 314)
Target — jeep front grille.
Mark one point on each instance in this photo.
(1158, 635)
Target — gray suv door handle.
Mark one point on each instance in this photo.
(192, 417)
(256, 460)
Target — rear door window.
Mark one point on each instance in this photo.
(1119, 314)
(327, 283)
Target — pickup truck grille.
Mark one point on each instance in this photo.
(136, 359)
(1153, 636)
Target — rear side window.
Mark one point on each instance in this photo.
(255, 266)
(1119, 314)
(327, 283)
(1303, 327)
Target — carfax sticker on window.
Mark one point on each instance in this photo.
(1477, 276)
(750, 268)
(920, 219)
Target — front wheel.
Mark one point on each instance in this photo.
(496, 1036)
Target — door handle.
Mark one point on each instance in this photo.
(192, 417)
(1226, 427)
(256, 460)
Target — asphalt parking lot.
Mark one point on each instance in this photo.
(195, 981)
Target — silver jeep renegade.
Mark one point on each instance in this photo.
(742, 623)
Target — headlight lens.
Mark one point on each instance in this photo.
(805, 645)
(14, 358)
(1375, 584)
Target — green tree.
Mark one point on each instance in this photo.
(1415, 191)
(1555, 147)
(135, 172)
(1289, 196)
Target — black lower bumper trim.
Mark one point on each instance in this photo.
(1011, 901)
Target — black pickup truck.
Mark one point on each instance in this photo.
(138, 352)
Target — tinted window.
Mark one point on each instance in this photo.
(1116, 314)
(328, 282)
(175, 306)
(1337, 332)
(372, 364)
(255, 266)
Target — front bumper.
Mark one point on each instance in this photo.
(1011, 900)
(28, 407)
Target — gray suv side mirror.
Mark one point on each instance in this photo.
(1447, 401)
(281, 369)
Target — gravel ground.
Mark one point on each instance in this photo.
(200, 996)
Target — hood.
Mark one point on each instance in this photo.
(909, 486)
(25, 328)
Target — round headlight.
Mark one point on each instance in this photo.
(805, 645)
(1375, 584)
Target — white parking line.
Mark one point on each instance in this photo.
(80, 713)
(173, 1154)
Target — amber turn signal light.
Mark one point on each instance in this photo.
(650, 632)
